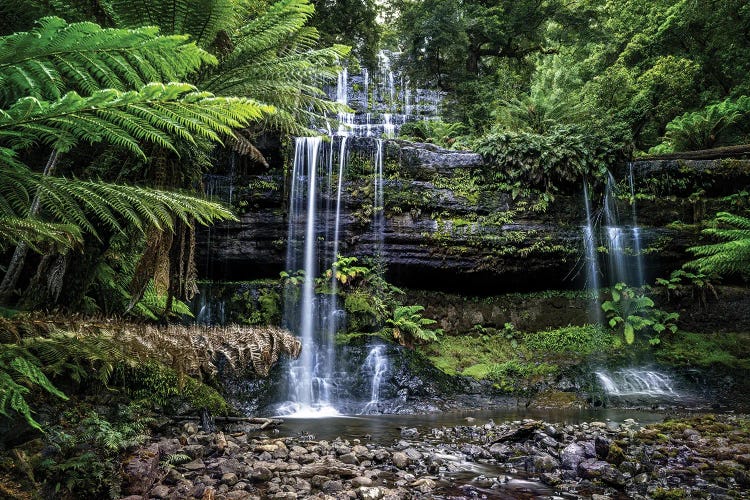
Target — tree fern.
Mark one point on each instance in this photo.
(77, 205)
(201, 19)
(14, 230)
(156, 113)
(274, 61)
(57, 56)
(730, 256)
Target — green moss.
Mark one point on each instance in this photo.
(669, 494)
(731, 350)
(577, 339)
(160, 385)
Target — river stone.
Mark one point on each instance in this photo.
(142, 470)
(229, 478)
(333, 486)
(410, 433)
(160, 491)
(400, 459)
(500, 451)
(261, 474)
(413, 454)
(361, 481)
(424, 484)
(194, 451)
(601, 446)
(545, 463)
(367, 493)
(195, 465)
(592, 468)
(349, 459)
(572, 455)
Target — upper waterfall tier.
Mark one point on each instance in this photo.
(382, 100)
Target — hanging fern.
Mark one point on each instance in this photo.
(57, 56)
(730, 256)
(20, 372)
(274, 61)
(201, 19)
(157, 113)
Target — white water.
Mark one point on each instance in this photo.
(592, 260)
(310, 377)
(376, 365)
(315, 232)
(624, 255)
(637, 382)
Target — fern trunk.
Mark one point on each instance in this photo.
(17, 262)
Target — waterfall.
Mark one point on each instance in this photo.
(378, 215)
(592, 260)
(637, 382)
(316, 205)
(376, 366)
(624, 254)
(636, 230)
(310, 381)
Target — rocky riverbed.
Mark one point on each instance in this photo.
(703, 457)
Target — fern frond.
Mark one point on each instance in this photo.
(85, 57)
(78, 206)
(731, 256)
(274, 61)
(14, 230)
(155, 113)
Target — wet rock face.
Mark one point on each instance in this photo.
(520, 459)
(447, 229)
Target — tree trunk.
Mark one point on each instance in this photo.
(13, 273)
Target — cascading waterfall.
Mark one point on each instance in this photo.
(623, 243)
(376, 366)
(592, 260)
(636, 230)
(314, 236)
(637, 382)
(310, 382)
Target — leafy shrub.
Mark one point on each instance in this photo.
(630, 311)
(409, 326)
(558, 159)
(81, 459)
(714, 125)
(451, 135)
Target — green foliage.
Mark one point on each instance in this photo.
(585, 339)
(451, 135)
(698, 283)
(56, 55)
(155, 114)
(82, 454)
(712, 126)
(510, 375)
(551, 162)
(273, 59)
(346, 271)
(409, 326)
(730, 256)
(20, 373)
(727, 350)
(202, 20)
(155, 384)
(630, 312)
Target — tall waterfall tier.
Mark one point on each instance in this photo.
(313, 246)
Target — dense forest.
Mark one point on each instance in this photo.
(119, 115)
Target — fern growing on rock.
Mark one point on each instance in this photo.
(729, 256)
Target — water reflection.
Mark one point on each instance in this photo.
(385, 428)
